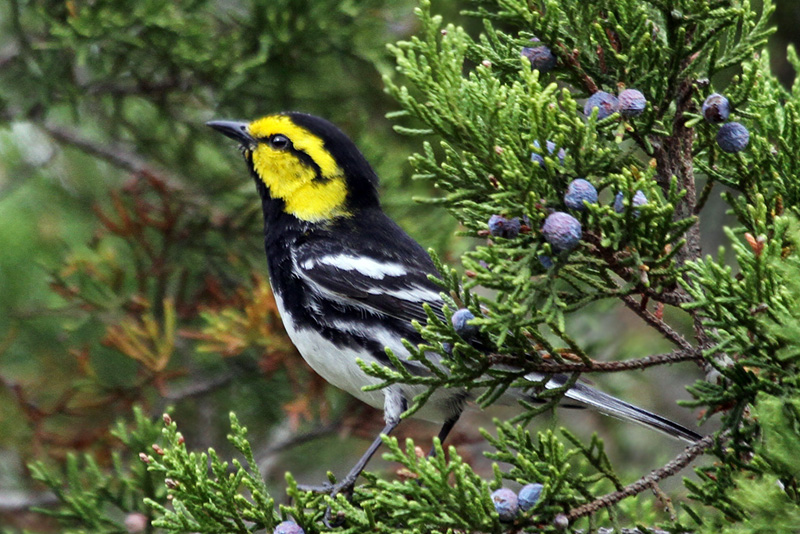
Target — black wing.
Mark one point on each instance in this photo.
(382, 271)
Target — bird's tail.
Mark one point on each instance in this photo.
(608, 405)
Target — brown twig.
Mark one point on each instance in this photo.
(116, 155)
(665, 500)
(676, 356)
(571, 58)
(676, 297)
(682, 460)
(674, 157)
(666, 330)
(692, 354)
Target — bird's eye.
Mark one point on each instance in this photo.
(279, 142)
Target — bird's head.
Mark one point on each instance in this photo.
(307, 163)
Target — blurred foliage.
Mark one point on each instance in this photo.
(787, 20)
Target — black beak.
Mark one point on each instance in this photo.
(235, 130)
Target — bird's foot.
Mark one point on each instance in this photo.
(343, 487)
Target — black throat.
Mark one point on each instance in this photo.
(281, 231)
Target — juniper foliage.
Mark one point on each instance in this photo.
(205, 495)
(98, 499)
(489, 111)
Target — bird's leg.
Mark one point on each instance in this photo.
(346, 484)
(394, 405)
(443, 433)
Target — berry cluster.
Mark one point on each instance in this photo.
(732, 137)
(508, 504)
(560, 229)
(630, 103)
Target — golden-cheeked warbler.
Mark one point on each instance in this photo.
(348, 280)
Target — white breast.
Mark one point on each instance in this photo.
(337, 365)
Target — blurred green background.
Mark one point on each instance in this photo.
(131, 262)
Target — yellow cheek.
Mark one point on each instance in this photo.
(291, 181)
(318, 201)
(282, 173)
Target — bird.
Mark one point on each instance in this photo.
(348, 281)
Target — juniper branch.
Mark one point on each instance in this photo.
(117, 156)
(692, 354)
(571, 58)
(647, 481)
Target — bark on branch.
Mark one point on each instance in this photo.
(647, 481)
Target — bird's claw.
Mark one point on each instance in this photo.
(344, 487)
(326, 519)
